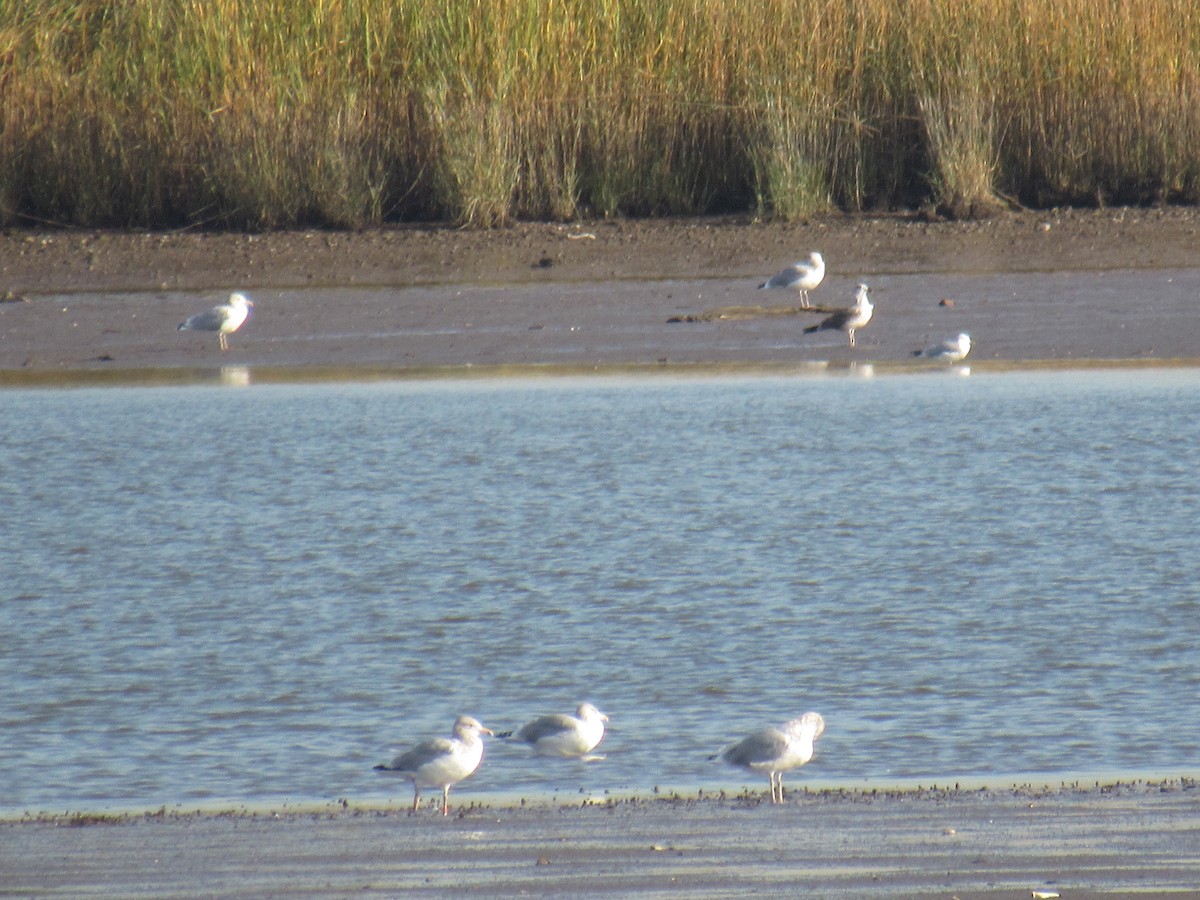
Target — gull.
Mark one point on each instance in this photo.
(775, 750)
(224, 319)
(573, 737)
(441, 762)
(850, 318)
(950, 350)
(801, 277)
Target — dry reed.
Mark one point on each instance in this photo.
(347, 113)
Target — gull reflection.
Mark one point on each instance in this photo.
(235, 376)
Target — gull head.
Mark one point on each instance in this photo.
(811, 725)
(588, 713)
(466, 727)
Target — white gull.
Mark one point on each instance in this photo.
(562, 735)
(224, 319)
(775, 750)
(952, 350)
(801, 277)
(441, 762)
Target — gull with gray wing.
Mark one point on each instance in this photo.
(953, 350)
(775, 750)
(441, 762)
(849, 319)
(561, 735)
(224, 319)
(800, 277)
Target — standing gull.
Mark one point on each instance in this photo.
(441, 762)
(775, 750)
(950, 350)
(224, 319)
(573, 737)
(801, 277)
(850, 318)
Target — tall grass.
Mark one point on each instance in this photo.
(347, 113)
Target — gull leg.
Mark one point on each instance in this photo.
(851, 331)
(221, 338)
(446, 800)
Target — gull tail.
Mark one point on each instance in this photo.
(503, 734)
(811, 328)
(917, 352)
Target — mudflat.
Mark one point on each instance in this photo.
(1067, 841)
(1097, 285)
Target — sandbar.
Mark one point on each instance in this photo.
(1067, 840)
(1095, 287)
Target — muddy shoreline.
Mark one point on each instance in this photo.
(44, 261)
(596, 294)
(1070, 840)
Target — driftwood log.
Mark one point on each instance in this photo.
(734, 313)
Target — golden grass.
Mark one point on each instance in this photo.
(347, 113)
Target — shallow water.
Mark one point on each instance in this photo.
(215, 594)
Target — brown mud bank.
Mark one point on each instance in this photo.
(1069, 285)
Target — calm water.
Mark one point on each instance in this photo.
(214, 594)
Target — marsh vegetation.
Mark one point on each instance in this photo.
(347, 113)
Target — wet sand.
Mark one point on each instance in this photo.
(1071, 841)
(1030, 287)
(89, 305)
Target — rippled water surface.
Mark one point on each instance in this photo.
(215, 594)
